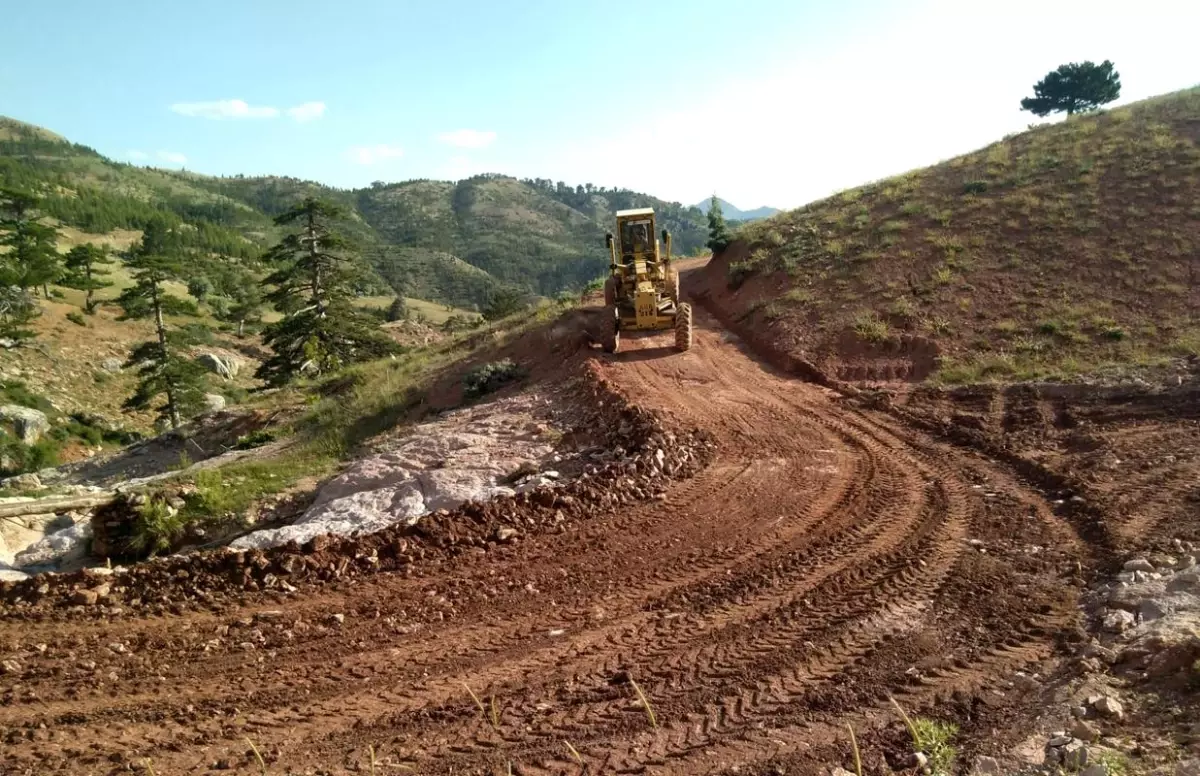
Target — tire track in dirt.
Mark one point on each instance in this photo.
(792, 585)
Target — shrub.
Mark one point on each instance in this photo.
(871, 328)
(975, 187)
(490, 377)
(739, 273)
(76, 318)
(1113, 333)
(254, 439)
(157, 526)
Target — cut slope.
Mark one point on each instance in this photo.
(1066, 249)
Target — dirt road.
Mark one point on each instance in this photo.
(825, 560)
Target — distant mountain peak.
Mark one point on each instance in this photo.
(734, 213)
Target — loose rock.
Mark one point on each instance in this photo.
(1110, 707)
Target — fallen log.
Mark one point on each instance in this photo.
(56, 504)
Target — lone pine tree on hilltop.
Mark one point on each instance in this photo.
(1074, 88)
(321, 330)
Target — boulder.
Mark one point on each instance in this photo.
(1074, 756)
(227, 367)
(214, 402)
(23, 483)
(1119, 621)
(28, 424)
(57, 549)
(1110, 707)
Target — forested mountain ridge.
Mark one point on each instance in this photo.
(450, 242)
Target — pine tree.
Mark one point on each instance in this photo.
(85, 272)
(719, 236)
(1073, 88)
(162, 370)
(32, 258)
(398, 310)
(321, 330)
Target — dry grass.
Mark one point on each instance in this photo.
(1094, 216)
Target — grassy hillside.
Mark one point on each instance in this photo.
(1071, 248)
(453, 243)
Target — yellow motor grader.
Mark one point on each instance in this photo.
(642, 291)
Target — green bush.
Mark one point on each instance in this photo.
(739, 273)
(157, 526)
(975, 187)
(16, 457)
(254, 439)
(490, 377)
(76, 318)
(16, 392)
(1114, 333)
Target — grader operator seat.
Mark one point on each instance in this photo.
(642, 292)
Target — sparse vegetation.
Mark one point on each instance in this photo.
(490, 377)
(1009, 253)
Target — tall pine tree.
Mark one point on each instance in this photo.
(321, 330)
(162, 370)
(32, 258)
(719, 236)
(86, 272)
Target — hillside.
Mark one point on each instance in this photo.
(734, 213)
(449, 242)
(1069, 249)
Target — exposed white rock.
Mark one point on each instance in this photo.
(467, 455)
(57, 549)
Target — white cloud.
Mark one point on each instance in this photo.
(375, 153)
(137, 156)
(171, 157)
(307, 111)
(468, 138)
(226, 109)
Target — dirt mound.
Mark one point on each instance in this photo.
(1055, 252)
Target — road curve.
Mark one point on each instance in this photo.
(826, 559)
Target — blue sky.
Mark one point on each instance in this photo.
(762, 101)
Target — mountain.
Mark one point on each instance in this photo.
(1069, 249)
(734, 213)
(455, 243)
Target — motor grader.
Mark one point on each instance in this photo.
(642, 290)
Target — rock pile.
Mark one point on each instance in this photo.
(646, 454)
(1151, 613)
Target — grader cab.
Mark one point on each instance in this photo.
(642, 291)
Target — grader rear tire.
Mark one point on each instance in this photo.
(610, 292)
(611, 341)
(673, 285)
(683, 328)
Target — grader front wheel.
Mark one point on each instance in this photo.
(610, 291)
(612, 333)
(683, 327)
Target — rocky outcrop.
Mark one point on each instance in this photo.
(467, 455)
(227, 367)
(27, 423)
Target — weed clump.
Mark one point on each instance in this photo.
(490, 377)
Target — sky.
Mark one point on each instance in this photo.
(763, 102)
